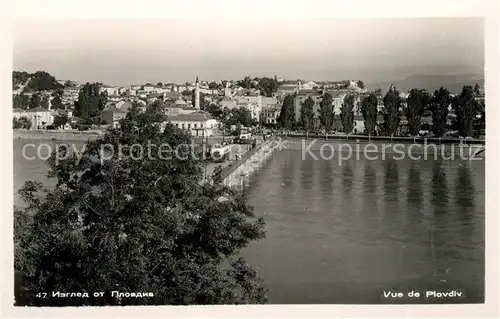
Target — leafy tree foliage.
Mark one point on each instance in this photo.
(246, 83)
(213, 86)
(21, 101)
(267, 86)
(20, 78)
(286, 118)
(60, 120)
(465, 109)
(214, 109)
(238, 116)
(35, 100)
(21, 123)
(347, 114)
(136, 224)
(57, 102)
(439, 107)
(417, 102)
(45, 102)
(326, 113)
(70, 84)
(90, 101)
(307, 114)
(42, 81)
(392, 111)
(361, 84)
(369, 110)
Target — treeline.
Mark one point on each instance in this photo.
(26, 102)
(469, 113)
(267, 86)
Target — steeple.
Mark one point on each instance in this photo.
(197, 94)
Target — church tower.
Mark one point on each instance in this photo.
(197, 94)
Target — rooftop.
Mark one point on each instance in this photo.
(193, 117)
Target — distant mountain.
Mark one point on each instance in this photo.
(431, 82)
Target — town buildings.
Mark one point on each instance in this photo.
(270, 114)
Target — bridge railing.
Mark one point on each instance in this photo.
(228, 170)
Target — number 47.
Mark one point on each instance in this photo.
(41, 295)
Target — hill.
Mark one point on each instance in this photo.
(38, 81)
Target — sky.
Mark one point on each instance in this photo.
(134, 51)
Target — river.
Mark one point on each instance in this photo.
(345, 233)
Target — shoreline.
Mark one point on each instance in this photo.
(395, 139)
(55, 135)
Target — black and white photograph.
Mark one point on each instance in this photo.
(224, 161)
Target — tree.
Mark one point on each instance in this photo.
(137, 224)
(20, 78)
(213, 109)
(326, 112)
(267, 86)
(21, 101)
(43, 81)
(391, 111)
(246, 83)
(417, 102)
(45, 102)
(239, 116)
(347, 114)
(286, 118)
(360, 84)
(21, 123)
(369, 110)
(213, 86)
(465, 110)
(307, 115)
(159, 84)
(90, 101)
(69, 84)
(439, 107)
(57, 102)
(35, 100)
(60, 120)
(242, 116)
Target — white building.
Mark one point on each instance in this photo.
(270, 114)
(39, 117)
(149, 88)
(110, 90)
(17, 113)
(197, 123)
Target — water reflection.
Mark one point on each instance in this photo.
(414, 187)
(347, 177)
(464, 190)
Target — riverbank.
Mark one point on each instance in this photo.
(56, 135)
(395, 139)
